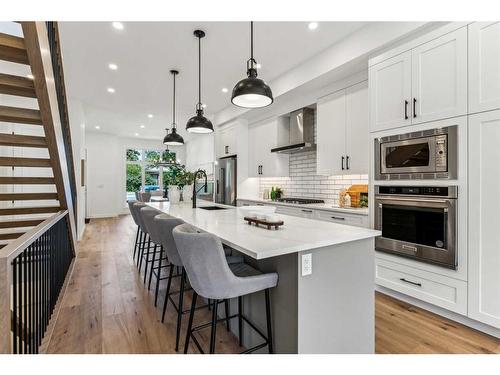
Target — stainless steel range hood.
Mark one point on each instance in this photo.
(301, 136)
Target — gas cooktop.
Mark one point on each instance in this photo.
(300, 200)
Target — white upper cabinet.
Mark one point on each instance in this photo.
(331, 134)
(439, 78)
(484, 205)
(426, 83)
(390, 92)
(226, 141)
(343, 132)
(484, 66)
(262, 137)
(357, 129)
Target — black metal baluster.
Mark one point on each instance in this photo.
(20, 302)
(31, 298)
(25, 303)
(14, 306)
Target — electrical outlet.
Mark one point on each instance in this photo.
(307, 264)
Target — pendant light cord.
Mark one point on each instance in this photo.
(173, 123)
(251, 44)
(199, 73)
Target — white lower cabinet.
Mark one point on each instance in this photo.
(433, 288)
(295, 211)
(342, 218)
(484, 206)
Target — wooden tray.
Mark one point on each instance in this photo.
(258, 222)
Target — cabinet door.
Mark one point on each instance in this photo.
(390, 93)
(255, 135)
(272, 164)
(331, 126)
(484, 206)
(219, 143)
(230, 142)
(484, 66)
(357, 129)
(439, 78)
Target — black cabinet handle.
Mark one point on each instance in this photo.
(338, 218)
(406, 109)
(410, 282)
(217, 187)
(343, 163)
(226, 149)
(309, 211)
(261, 169)
(347, 162)
(414, 107)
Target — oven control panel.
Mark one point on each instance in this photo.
(439, 191)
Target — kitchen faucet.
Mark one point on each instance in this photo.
(205, 186)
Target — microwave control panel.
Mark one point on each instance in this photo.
(441, 153)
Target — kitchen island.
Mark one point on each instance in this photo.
(329, 310)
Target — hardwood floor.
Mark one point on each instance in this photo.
(106, 309)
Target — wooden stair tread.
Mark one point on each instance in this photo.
(11, 236)
(27, 196)
(20, 115)
(19, 223)
(24, 162)
(12, 49)
(27, 181)
(29, 210)
(19, 140)
(16, 85)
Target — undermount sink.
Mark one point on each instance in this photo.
(211, 208)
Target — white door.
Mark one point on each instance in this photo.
(390, 93)
(439, 78)
(484, 66)
(273, 164)
(484, 206)
(255, 133)
(357, 129)
(331, 137)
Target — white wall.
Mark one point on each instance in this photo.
(106, 171)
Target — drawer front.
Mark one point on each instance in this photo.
(341, 218)
(300, 212)
(439, 290)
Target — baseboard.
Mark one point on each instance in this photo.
(102, 216)
(440, 311)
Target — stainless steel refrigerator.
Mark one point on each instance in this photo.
(225, 183)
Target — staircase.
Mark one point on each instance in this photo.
(36, 171)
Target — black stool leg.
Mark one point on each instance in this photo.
(141, 255)
(152, 267)
(158, 276)
(240, 320)
(136, 242)
(214, 327)
(139, 247)
(226, 307)
(190, 322)
(169, 282)
(147, 261)
(181, 307)
(268, 319)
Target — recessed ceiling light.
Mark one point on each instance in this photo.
(118, 25)
(30, 76)
(150, 115)
(224, 90)
(97, 127)
(312, 25)
(112, 66)
(142, 126)
(111, 90)
(136, 134)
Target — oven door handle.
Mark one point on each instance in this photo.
(425, 200)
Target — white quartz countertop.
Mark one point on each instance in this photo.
(314, 206)
(297, 234)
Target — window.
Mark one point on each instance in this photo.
(142, 172)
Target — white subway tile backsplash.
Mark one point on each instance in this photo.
(304, 182)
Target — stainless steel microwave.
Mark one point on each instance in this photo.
(427, 154)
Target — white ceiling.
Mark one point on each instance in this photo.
(146, 51)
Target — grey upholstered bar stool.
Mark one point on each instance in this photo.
(143, 235)
(148, 214)
(211, 277)
(136, 221)
(164, 226)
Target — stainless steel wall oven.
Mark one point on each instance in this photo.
(418, 222)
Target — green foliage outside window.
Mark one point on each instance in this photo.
(134, 178)
(133, 155)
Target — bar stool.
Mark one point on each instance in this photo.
(143, 234)
(133, 214)
(211, 277)
(148, 214)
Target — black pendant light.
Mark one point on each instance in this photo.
(173, 139)
(199, 123)
(252, 92)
